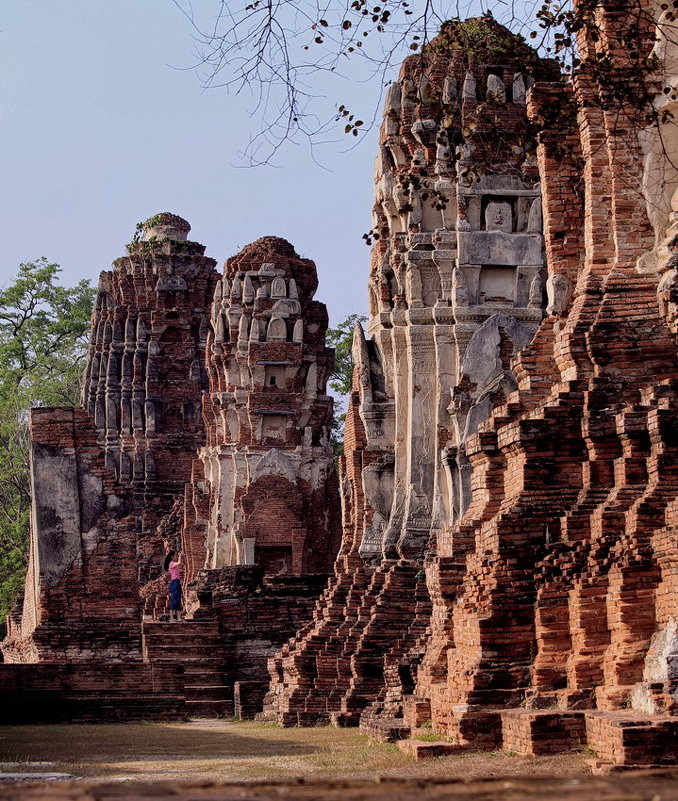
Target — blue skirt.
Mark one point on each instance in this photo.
(175, 594)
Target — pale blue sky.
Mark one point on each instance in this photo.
(100, 130)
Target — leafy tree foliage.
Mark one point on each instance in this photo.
(341, 339)
(43, 336)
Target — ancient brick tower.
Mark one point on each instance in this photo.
(146, 370)
(456, 290)
(265, 482)
(104, 475)
(557, 591)
(548, 616)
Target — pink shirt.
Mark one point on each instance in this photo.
(174, 571)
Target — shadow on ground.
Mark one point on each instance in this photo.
(139, 742)
(222, 751)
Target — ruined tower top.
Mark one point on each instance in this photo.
(166, 226)
(483, 47)
(145, 370)
(481, 41)
(458, 259)
(267, 465)
(269, 257)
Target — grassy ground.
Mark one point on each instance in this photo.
(225, 751)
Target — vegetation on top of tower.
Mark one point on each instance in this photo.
(482, 41)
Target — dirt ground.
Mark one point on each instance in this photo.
(209, 760)
(225, 751)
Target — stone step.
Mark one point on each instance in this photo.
(205, 643)
(157, 625)
(192, 666)
(180, 638)
(179, 633)
(424, 749)
(132, 709)
(179, 653)
(217, 692)
(206, 678)
(193, 669)
(181, 625)
(209, 709)
(538, 732)
(385, 731)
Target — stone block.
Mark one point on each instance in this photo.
(425, 749)
(535, 733)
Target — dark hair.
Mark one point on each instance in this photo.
(168, 559)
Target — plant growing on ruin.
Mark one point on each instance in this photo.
(478, 42)
(43, 337)
(138, 233)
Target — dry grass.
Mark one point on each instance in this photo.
(224, 751)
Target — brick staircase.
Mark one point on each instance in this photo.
(196, 645)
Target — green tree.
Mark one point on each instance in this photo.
(341, 339)
(43, 338)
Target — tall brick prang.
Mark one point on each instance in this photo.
(103, 476)
(265, 483)
(457, 288)
(146, 369)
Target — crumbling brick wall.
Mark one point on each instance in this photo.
(82, 598)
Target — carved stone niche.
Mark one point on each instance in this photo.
(559, 292)
(499, 216)
(496, 90)
(275, 560)
(277, 330)
(171, 283)
(497, 285)
(275, 376)
(274, 429)
(278, 288)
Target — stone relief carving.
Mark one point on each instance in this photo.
(499, 217)
(559, 292)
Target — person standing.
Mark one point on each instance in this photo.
(172, 565)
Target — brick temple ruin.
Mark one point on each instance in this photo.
(205, 426)
(266, 467)
(456, 291)
(508, 569)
